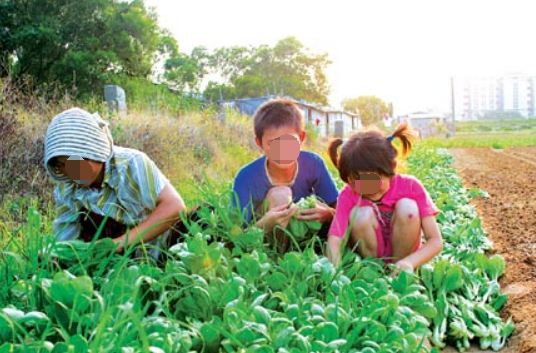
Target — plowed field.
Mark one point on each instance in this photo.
(509, 217)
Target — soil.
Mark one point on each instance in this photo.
(509, 218)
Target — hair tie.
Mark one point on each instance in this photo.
(390, 138)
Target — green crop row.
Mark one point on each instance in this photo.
(461, 281)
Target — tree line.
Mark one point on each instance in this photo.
(83, 45)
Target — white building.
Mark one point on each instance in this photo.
(426, 124)
(323, 118)
(516, 94)
(505, 96)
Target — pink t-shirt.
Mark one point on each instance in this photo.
(402, 186)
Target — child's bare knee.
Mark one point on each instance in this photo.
(278, 195)
(407, 210)
(363, 217)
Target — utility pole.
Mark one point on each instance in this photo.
(453, 105)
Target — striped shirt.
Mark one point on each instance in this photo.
(131, 186)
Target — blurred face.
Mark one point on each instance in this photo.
(84, 172)
(281, 146)
(371, 185)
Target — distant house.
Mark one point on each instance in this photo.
(427, 124)
(350, 121)
(323, 118)
(248, 106)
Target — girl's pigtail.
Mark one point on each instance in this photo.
(407, 136)
(332, 151)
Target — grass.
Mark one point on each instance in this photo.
(499, 126)
(494, 140)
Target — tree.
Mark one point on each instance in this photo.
(371, 109)
(182, 72)
(285, 69)
(83, 43)
(6, 41)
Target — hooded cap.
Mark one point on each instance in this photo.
(77, 132)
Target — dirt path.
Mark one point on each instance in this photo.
(509, 217)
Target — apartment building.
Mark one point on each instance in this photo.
(510, 95)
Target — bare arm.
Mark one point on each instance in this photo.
(333, 250)
(166, 213)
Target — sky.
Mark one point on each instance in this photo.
(404, 52)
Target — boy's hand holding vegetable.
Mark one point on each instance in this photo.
(320, 212)
(277, 216)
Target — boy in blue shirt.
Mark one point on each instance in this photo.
(264, 186)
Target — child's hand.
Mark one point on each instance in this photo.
(322, 213)
(279, 216)
(403, 266)
(121, 244)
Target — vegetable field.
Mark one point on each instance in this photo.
(223, 290)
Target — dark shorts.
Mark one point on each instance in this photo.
(91, 221)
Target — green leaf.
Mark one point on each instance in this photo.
(426, 309)
(284, 336)
(499, 302)
(35, 318)
(495, 267)
(261, 315)
(62, 347)
(79, 343)
(401, 282)
(301, 342)
(453, 279)
(83, 285)
(292, 311)
(276, 281)
(335, 344)
(426, 273)
(298, 228)
(369, 274)
(440, 269)
(211, 337)
(326, 332)
(394, 334)
(314, 225)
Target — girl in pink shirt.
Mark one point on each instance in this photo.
(383, 212)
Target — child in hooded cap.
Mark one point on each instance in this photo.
(95, 178)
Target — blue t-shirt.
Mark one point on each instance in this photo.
(252, 184)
